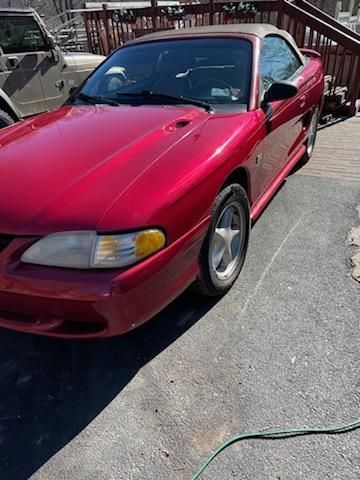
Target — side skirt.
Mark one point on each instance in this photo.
(265, 198)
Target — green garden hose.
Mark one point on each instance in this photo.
(275, 434)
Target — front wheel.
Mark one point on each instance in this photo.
(223, 252)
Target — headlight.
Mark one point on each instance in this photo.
(91, 250)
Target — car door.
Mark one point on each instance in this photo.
(21, 42)
(52, 80)
(278, 62)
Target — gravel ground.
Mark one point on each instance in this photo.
(280, 350)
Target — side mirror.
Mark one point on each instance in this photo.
(280, 91)
(54, 48)
(52, 42)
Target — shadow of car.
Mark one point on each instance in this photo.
(52, 389)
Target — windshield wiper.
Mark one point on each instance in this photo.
(94, 99)
(149, 95)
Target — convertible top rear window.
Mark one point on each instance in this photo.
(212, 70)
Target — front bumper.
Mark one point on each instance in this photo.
(89, 304)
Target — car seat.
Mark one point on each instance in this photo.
(167, 69)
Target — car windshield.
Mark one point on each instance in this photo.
(215, 71)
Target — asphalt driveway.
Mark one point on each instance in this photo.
(281, 350)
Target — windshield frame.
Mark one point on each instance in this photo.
(216, 107)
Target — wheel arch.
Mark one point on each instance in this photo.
(241, 176)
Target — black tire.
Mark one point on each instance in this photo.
(5, 119)
(208, 281)
(310, 142)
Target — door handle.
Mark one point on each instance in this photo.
(60, 84)
(13, 62)
(302, 101)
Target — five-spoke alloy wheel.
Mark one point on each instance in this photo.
(224, 249)
(228, 240)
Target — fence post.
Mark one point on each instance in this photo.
(153, 13)
(211, 12)
(280, 10)
(89, 46)
(107, 32)
(354, 88)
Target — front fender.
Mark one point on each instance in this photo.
(178, 190)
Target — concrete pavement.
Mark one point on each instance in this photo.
(280, 350)
(337, 152)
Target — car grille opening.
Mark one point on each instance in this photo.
(5, 240)
(66, 328)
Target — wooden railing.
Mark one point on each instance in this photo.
(105, 32)
(338, 46)
(340, 52)
(320, 14)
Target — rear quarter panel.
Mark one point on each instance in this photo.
(313, 74)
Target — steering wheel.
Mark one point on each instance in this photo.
(212, 83)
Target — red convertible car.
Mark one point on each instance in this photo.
(147, 180)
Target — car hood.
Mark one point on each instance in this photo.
(63, 170)
(82, 60)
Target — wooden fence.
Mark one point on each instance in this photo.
(107, 29)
